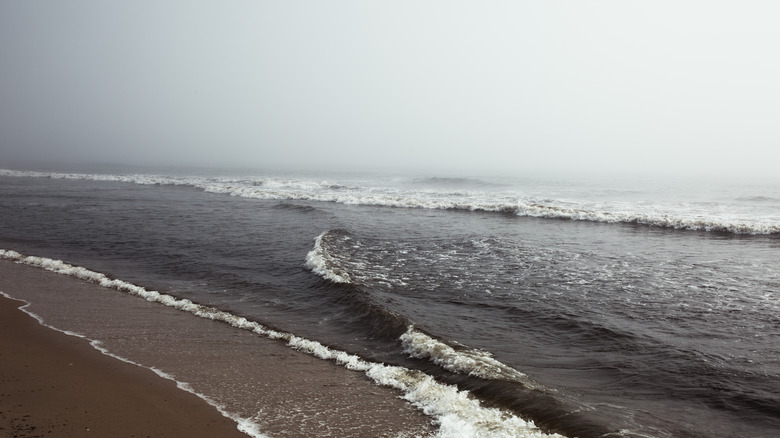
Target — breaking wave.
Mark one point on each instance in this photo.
(475, 363)
(322, 263)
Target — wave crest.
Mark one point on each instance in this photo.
(475, 363)
(322, 263)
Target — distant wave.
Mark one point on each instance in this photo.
(288, 189)
(734, 226)
(458, 414)
(296, 207)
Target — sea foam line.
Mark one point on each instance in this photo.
(458, 414)
(324, 191)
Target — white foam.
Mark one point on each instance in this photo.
(465, 361)
(652, 218)
(458, 414)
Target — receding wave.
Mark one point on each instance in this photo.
(290, 189)
(457, 413)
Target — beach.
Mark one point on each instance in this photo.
(54, 384)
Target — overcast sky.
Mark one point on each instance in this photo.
(440, 85)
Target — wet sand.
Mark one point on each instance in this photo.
(52, 384)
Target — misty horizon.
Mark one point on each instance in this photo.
(440, 87)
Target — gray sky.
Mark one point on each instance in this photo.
(439, 85)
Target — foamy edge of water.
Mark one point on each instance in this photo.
(457, 413)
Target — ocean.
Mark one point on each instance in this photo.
(589, 306)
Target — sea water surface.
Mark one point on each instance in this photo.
(589, 306)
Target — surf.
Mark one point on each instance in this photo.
(455, 411)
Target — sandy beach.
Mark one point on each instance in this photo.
(53, 384)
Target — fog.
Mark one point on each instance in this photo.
(445, 86)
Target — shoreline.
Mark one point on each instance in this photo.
(264, 384)
(54, 384)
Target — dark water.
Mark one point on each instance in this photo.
(589, 328)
